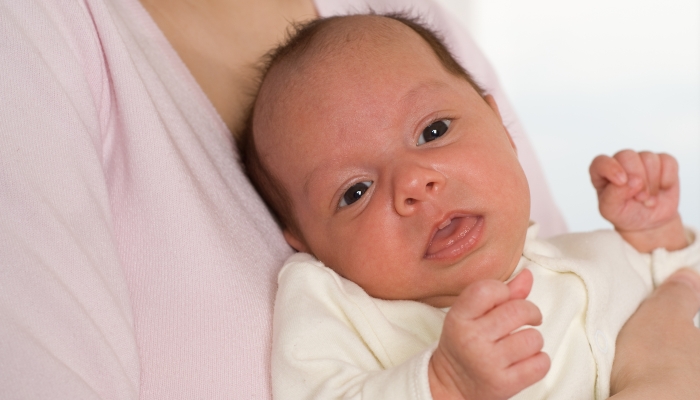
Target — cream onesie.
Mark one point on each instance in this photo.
(332, 340)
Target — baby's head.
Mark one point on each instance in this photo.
(381, 157)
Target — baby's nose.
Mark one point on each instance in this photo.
(414, 185)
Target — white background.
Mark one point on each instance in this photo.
(597, 76)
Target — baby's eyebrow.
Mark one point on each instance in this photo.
(320, 178)
(311, 177)
(432, 86)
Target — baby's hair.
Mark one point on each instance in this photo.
(298, 43)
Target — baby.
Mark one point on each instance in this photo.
(391, 172)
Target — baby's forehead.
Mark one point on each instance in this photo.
(334, 77)
(303, 89)
(330, 53)
(344, 38)
(352, 35)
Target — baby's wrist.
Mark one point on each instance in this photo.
(670, 236)
(440, 387)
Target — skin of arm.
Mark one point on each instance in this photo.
(658, 347)
(639, 193)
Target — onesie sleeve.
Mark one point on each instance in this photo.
(330, 340)
(664, 262)
(66, 328)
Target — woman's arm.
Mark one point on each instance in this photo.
(659, 346)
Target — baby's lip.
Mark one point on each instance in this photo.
(454, 235)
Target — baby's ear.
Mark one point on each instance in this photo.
(294, 241)
(492, 103)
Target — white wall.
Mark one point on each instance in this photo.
(597, 76)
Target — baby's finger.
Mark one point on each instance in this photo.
(479, 298)
(519, 346)
(636, 172)
(604, 170)
(526, 372)
(521, 285)
(669, 171)
(507, 317)
(652, 165)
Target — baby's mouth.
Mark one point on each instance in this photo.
(454, 236)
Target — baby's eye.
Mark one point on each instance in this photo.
(354, 193)
(433, 131)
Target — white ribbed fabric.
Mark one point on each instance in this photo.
(135, 259)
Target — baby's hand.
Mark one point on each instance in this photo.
(479, 356)
(638, 193)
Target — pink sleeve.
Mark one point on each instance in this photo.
(66, 320)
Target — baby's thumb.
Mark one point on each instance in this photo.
(521, 285)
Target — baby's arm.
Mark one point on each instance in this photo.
(331, 340)
(638, 193)
(478, 355)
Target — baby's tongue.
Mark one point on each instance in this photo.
(457, 229)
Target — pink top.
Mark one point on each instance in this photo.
(135, 259)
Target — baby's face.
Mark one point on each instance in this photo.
(403, 179)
